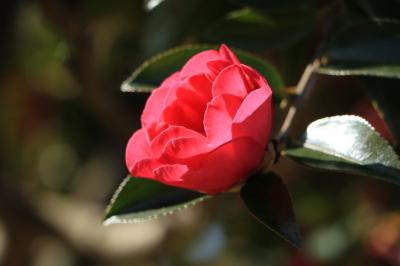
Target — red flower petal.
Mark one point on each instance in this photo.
(137, 149)
(191, 99)
(154, 106)
(255, 78)
(198, 63)
(254, 117)
(216, 171)
(158, 145)
(145, 168)
(156, 102)
(170, 174)
(201, 85)
(232, 80)
(195, 91)
(218, 118)
(217, 66)
(227, 54)
(185, 104)
(183, 114)
(184, 150)
(154, 129)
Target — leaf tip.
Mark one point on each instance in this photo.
(126, 87)
(268, 200)
(294, 237)
(108, 221)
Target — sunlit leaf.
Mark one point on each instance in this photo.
(364, 48)
(347, 144)
(268, 199)
(361, 69)
(151, 4)
(152, 72)
(140, 199)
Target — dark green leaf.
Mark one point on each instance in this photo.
(385, 94)
(253, 29)
(360, 69)
(268, 199)
(152, 72)
(140, 199)
(364, 48)
(383, 9)
(347, 144)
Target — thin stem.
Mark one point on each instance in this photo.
(306, 82)
(303, 89)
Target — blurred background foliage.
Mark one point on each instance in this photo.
(65, 123)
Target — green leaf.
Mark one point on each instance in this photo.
(254, 29)
(268, 199)
(140, 199)
(152, 72)
(364, 48)
(385, 94)
(387, 9)
(360, 69)
(151, 4)
(347, 144)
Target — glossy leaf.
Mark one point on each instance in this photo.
(140, 199)
(151, 4)
(268, 199)
(347, 144)
(360, 69)
(152, 72)
(385, 94)
(366, 48)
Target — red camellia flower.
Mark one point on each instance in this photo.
(206, 127)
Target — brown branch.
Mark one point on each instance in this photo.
(303, 88)
(307, 80)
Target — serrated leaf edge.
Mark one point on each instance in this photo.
(326, 70)
(358, 119)
(115, 195)
(126, 87)
(166, 211)
(296, 226)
